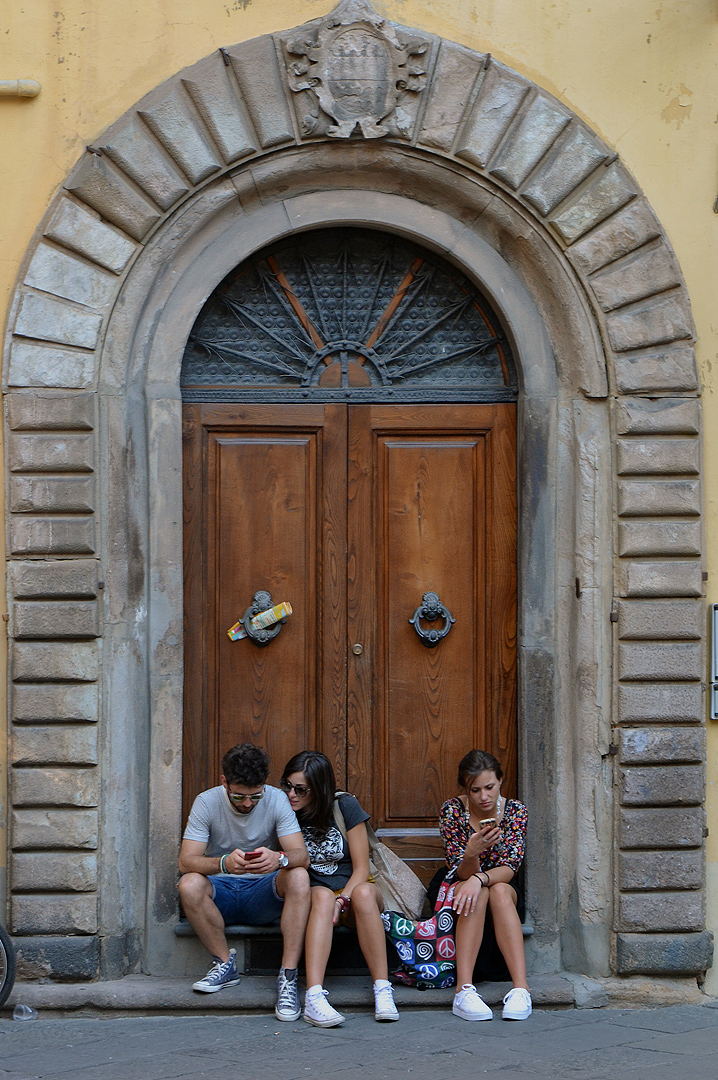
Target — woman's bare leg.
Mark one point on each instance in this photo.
(318, 941)
(366, 908)
(507, 927)
(469, 935)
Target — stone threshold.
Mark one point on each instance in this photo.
(146, 994)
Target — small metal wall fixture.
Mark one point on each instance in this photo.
(714, 661)
(431, 609)
(262, 602)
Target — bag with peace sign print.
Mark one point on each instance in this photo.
(426, 950)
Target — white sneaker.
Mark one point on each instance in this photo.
(319, 1012)
(517, 1004)
(219, 976)
(469, 1006)
(384, 1008)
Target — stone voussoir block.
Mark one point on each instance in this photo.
(256, 68)
(668, 370)
(661, 827)
(34, 619)
(50, 871)
(673, 869)
(607, 190)
(215, 98)
(653, 579)
(646, 912)
(51, 453)
(45, 318)
(660, 620)
(679, 661)
(59, 744)
(454, 77)
(47, 704)
(662, 785)
(661, 745)
(63, 275)
(664, 954)
(658, 416)
(51, 410)
(663, 456)
(48, 913)
(622, 233)
(52, 662)
(497, 102)
(75, 579)
(655, 321)
(659, 498)
(659, 538)
(49, 365)
(47, 829)
(55, 786)
(649, 270)
(100, 184)
(662, 703)
(79, 229)
(65, 959)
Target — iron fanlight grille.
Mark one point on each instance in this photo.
(348, 313)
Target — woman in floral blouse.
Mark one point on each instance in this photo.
(484, 839)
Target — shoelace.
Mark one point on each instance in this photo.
(287, 993)
(319, 1003)
(384, 998)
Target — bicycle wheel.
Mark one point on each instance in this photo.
(7, 965)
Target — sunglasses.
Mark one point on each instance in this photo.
(254, 799)
(299, 789)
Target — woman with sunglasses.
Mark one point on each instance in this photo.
(341, 888)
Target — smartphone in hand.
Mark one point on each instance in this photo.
(249, 855)
(489, 821)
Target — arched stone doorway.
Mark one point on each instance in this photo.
(475, 163)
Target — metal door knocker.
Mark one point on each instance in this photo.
(431, 609)
(262, 603)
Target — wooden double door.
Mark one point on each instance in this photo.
(352, 513)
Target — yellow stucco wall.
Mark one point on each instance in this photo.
(643, 74)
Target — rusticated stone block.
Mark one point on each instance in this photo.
(52, 704)
(679, 785)
(666, 578)
(659, 498)
(649, 270)
(677, 661)
(171, 120)
(662, 416)
(573, 157)
(52, 535)
(55, 787)
(664, 745)
(255, 65)
(80, 230)
(659, 620)
(497, 102)
(658, 456)
(668, 703)
(658, 371)
(36, 913)
(661, 827)
(607, 191)
(131, 146)
(532, 134)
(47, 319)
(655, 321)
(626, 231)
(66, 959)
(73, 579)
(662, 911)
(50, 410)
(73, 279)
(49, 365)
(51, 453)
(660, 869)
(659, 538)
(52, 494)
(41, 871)
(217, 104)
(664, 954)
(39, 662)
(448, 96)
(57, 745)
(56, 619)
(32, 829)
(103, 187)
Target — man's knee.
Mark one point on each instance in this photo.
(193, 887)
(293, 884)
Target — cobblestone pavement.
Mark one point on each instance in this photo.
(590, 1044)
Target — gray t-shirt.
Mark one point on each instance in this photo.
(212, 821)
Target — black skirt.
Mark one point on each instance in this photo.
(490, 964)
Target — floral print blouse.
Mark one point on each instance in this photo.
(456, 829)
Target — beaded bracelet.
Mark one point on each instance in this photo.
(345, 901)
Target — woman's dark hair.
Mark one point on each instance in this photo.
(475, 762)
(245, 764)
(319, 775)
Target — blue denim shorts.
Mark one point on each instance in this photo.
(253, 900)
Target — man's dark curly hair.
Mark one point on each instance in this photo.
(245, 764)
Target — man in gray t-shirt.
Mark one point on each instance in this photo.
(243, 860)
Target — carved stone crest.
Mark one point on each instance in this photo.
(353, 72)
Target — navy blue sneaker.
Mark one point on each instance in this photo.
(219, 976)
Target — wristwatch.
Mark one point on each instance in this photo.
(283, 860)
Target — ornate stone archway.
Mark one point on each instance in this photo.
(449, 147)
